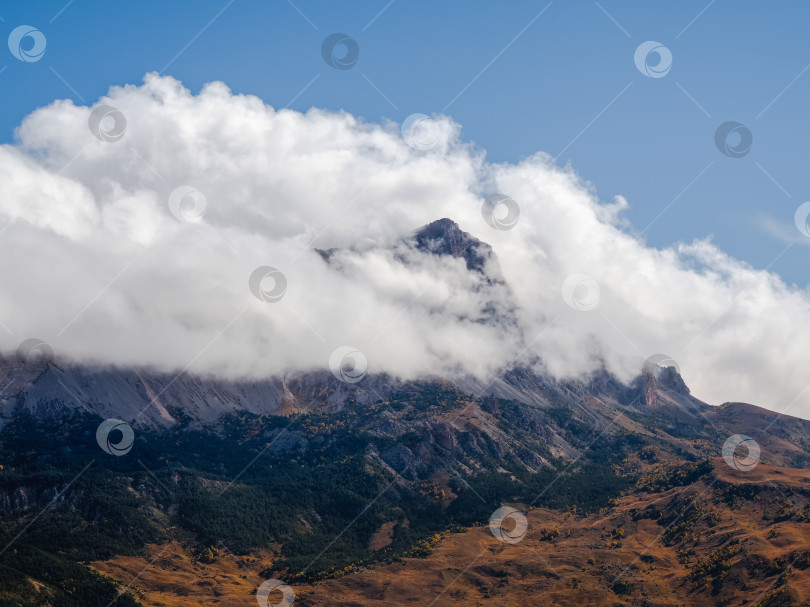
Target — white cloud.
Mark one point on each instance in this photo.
(94, 262)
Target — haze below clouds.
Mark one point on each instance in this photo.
(95, 262)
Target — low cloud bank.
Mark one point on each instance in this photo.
(130, 235)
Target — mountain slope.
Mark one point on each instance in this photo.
(726, 539)
(399, 473)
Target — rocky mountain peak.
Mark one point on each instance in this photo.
(445, 237)
(666, 378)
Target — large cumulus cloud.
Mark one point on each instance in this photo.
(95, 263)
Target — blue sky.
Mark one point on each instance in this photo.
(519, 78)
